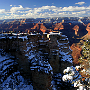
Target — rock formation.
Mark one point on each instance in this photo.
(76, 48)
(58, 26)
(43, 28)
(46, 56)
(15, 27)
(76, 28)
(76, 52)
(88, 28)
(10, 77)
(39, 27)
(60, 51)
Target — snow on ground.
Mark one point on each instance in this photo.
(42, 66)
(64, 52)
(23, 37)
(56, 81)
(37, 59)
(65, 56)
(15, 82)
(10, 79)
(39, 63)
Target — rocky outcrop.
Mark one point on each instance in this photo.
(76, 48)
(43, 28)
(42, 56)
(15, 27)
(58, 26)
(88, 28)
(76, 28)
(59, 51)
(76, 52)
(46, 56)
(7, 66)
(40, 67)
(41, 81)
(41, 74)
(10, 76)
(17, 46)
(39, 26)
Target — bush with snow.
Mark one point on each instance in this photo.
(73, 76)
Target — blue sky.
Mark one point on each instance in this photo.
(14, 9)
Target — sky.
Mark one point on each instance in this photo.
(17, 9)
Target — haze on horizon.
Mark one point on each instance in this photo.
(49, 8)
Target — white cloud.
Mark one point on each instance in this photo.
(15, 9)
(73, 8)
(80, 3)
(44, 11)
(2, 10)
(80, 12)
(11, 5)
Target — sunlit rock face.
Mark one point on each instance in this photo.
(43, 28)
(15, 27)
(76, 52)
(39, 27)
(76, 48)
(80, 55)
(88, 28)
(76, 28)
(58, 26)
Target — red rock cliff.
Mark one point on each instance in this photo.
(88, 28)
(76, 28)
(76, 52)
(39, 26)
(58, 26)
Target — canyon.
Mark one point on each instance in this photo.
(44, 50)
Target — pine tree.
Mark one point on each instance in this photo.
(85, 57)
(85, 52)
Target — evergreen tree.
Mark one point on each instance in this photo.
(85, 57)
(85, 52)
